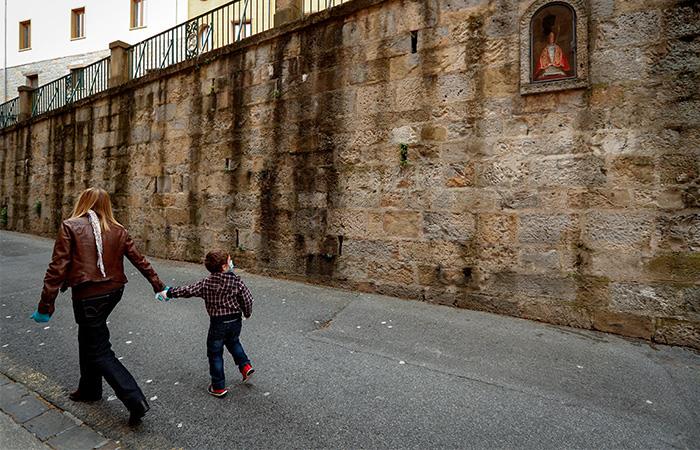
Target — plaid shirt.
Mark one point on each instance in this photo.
(223, 293)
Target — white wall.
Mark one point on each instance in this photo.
(105, 21)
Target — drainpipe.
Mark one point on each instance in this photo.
(5, 61)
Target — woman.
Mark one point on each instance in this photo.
(89, 258)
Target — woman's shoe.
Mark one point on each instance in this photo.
(77, 396)
(138, 410)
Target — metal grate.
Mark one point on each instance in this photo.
(214, 29)
(314, 6)
(77, 85)
(8, 112)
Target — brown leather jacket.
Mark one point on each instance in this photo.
(74, 260)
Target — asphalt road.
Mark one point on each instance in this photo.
(349, 370)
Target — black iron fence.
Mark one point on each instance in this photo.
(314, 6)
(214, 29)
(8, 112)
(78, 84)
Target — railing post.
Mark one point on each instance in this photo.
(26, 95)
(287, 11)
(118, 63)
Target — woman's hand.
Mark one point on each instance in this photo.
(162, 296)
(39, 317)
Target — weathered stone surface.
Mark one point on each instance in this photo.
(568, 207)
(78, 437)
(49, 424)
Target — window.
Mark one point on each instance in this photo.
(138, 13)
(242, 29)
(25, 35)
(77, 20)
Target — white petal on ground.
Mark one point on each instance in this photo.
(179, 425)
(384, 323)
(266, 394)
(5, 346)
(128, 342)
(46, 328)
(649, 402)
(402, 362)
(176, 383)
(580, 367)
(155, 397)
(120, 358)
(390, 326)
(8, 317)
(41, 343)
(130, 332)
(359, 326)
(29, 331)
(149, 381)
(111, 398)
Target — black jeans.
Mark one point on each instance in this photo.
(97, 359)
(224, 331)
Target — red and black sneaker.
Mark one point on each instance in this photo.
(217, 392)
(247, 370)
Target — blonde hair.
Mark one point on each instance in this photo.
(97, 200)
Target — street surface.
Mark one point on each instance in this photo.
(348, 370)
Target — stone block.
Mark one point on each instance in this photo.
(678, 232)
(599, 198)
(679, 169)
(633, 169)
(390, 271)
(617, 230)
(625, 324)
(496, 228)
(539, 261)
(370, 249)
(674, 267)
(555, 313)
(25, 408)
(349, 223)
(544, 228)
(403, 224)
(10, 393)
(496, 304)
(531, 285)
(629, 29)
(651, 300)
(570, 171)
(448, 226)
(78, 437)
(677, 332)
(49, 424)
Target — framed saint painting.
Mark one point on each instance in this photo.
(553, 47)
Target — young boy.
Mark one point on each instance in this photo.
(226, 298)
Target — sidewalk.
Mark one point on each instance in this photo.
(29, 422)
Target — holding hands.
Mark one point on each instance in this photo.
(162, 296)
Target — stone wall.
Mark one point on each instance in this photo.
(577, 208)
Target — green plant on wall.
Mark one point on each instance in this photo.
(37, 207)
(403, 154)
(3, 216)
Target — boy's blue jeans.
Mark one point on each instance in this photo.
(224, 331)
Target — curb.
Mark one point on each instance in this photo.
(48, 424)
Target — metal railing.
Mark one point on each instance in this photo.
(8, 112)
(78, 84)
(222, 26)
(314, 6)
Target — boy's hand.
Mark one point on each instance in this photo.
(162, 296)
(39, 317)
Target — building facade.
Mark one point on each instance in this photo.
(43, 40)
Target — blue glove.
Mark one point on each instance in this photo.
(39, 317)
(162, 296)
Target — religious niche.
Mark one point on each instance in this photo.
(553, 47)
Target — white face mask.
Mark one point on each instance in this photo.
(230, 266)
